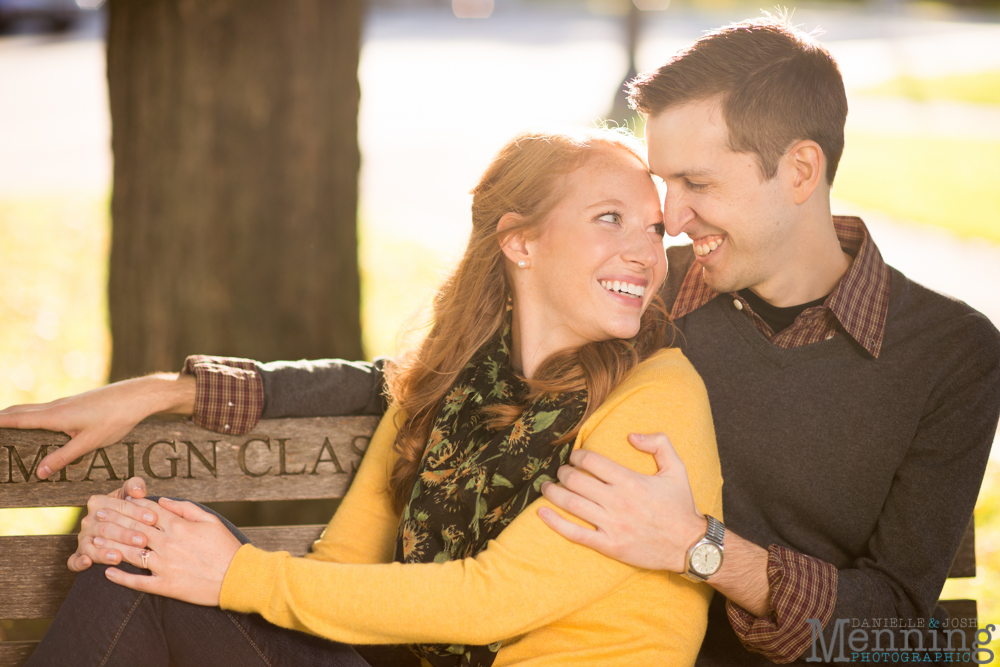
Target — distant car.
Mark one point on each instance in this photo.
(58, 14)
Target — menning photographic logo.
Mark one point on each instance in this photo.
(876, 642)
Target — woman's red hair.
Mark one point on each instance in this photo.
(468, 310)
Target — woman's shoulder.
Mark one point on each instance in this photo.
(664, 381)
(663, 394)
(666, 368)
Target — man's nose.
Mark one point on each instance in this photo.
(677, 212)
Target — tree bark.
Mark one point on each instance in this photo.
(235, 180)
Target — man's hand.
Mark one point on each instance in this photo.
(650, 521)
(110, 526)
(102, 416)
(647, 521)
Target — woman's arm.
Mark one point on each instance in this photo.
(364, 528)
(362, 531)
(527, 578)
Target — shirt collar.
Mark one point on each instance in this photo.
(860, 302)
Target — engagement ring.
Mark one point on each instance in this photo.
(144, 556)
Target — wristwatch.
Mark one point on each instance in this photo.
(705, 556)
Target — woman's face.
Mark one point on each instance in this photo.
(599, 258)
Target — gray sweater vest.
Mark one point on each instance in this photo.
(873, 465)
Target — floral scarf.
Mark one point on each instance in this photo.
(473, 481)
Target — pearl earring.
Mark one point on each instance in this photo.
(522, 263)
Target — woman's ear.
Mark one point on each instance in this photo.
(513, 244)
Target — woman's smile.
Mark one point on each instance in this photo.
(628, 292)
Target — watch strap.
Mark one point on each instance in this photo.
(716, 531)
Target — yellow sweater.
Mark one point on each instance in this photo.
(551, 601)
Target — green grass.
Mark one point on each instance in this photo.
(53, 267)
(980, 88)
(398, 281)
(951, 183)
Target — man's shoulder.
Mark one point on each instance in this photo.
(913, 304)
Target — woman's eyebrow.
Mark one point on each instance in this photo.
(607, 202)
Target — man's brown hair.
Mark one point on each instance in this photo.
(776, 86)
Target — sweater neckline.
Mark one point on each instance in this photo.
(779, 356)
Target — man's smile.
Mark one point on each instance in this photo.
(704, 245)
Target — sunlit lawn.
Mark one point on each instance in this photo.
(53, 315)
(951, 183)
(979, 88)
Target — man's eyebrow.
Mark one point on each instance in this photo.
(692, 173)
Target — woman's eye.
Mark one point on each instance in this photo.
(659, 229)
(613, 218)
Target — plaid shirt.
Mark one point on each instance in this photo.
(229, 394)
(801, 586)
(858, 306)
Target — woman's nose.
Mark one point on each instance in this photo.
(643, 249)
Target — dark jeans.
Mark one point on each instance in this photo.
(104, 624)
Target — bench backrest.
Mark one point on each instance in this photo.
(282, 459)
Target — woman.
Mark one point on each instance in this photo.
(544, 340)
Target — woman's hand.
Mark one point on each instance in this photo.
(110, 525)
(102, 416)
(189, 551)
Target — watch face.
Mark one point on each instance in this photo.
(705, 559)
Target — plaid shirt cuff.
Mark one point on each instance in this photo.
(229, 394)
(801, 587)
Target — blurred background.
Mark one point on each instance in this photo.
(230, 224)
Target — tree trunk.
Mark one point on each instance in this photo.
(235, 180)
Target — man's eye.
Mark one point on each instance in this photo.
(697, 187)
(613, 218)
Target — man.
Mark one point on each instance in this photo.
(854, 409)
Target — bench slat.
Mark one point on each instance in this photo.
(962, 609)
(964, 564)
(281, 459)
(16, 653)
(36, 581)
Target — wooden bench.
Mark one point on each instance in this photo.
(285, 459)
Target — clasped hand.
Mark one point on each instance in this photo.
(188, 549)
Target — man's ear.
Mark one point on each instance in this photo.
(808, 169)
(513, 244)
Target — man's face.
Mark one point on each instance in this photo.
(740, 226)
